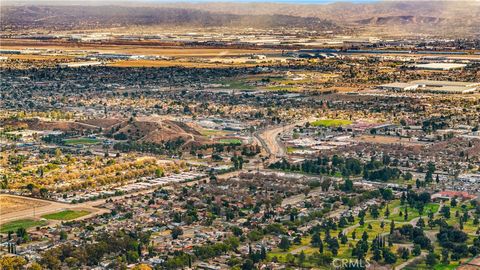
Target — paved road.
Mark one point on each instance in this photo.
(270, 141)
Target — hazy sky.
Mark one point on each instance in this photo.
(274, 1)
(190, 1)
(277, 1)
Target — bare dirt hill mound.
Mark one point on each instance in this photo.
(103, 123)
(161, 131)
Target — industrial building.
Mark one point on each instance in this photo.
(440, 66)
(440, 87)
(81, 64)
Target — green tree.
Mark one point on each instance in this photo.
(320, 246)
(417, 250)
(248, 265)
(63, 235)
(388, 256)
(453, 202)
(445, 256)
(347, 185)
(431, 259)
(284, 244)
(445, 211)
(420, 223)
(377, 254)
(315, 240)
(387, 212)
(374, 212)
(177, 231)
(404, 253)
(301, 257)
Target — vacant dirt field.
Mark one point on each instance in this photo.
(10, 204)
(386, 140)
(13, 208)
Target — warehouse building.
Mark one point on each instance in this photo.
(440, 66)
(80, 64)
(440, 87)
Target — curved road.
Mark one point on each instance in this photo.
(270, 141)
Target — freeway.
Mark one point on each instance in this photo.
(271, 143)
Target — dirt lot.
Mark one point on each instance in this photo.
(10, 204)
(386, 140)
(14, 208)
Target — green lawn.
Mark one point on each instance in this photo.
(66, 215)
(439, 266)
(468, 226)
(212, 132)
(345, 251)
(81, 141)
(230, 141)
(331, 123)
(373, 232)
(282, 255)
(291, 149)
(22, 223)
(413, 213)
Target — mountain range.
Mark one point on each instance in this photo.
(443, 18)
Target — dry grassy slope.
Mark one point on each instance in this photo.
(103, 123)
(37, 124)
(154, 130)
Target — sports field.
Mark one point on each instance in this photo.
(66, 215)
(230, 141)
(81, 141)
(13, 226)
(331, 123)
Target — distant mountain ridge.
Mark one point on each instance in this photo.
(431, 17)
(449, 18)
(88, 17)
(400, 20)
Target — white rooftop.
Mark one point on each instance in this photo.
(440, 66)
